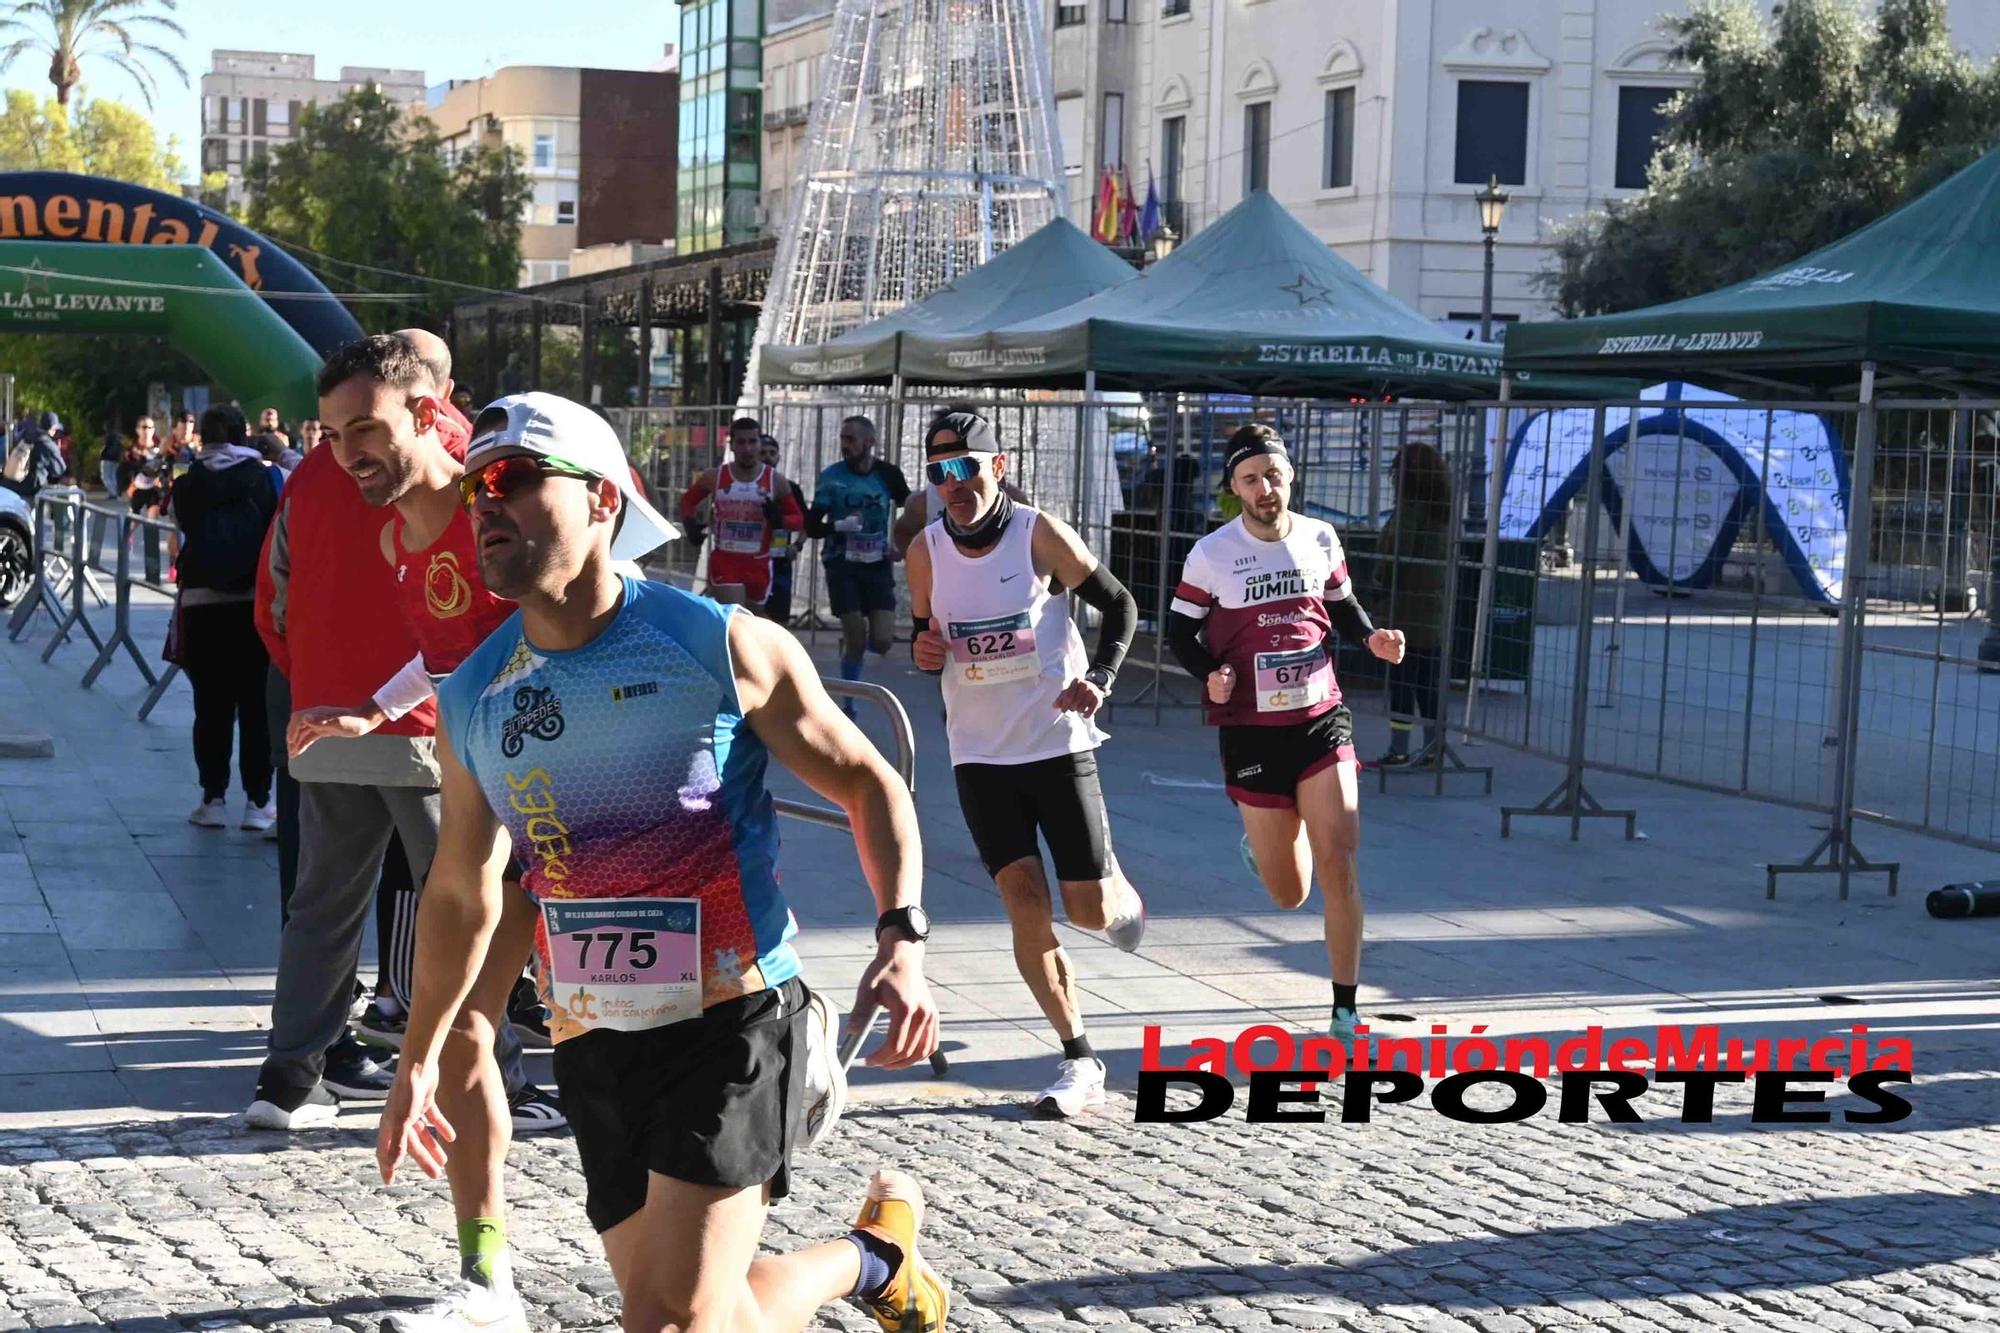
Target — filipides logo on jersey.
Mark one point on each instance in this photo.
(1480, 1080)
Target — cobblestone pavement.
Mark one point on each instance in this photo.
(1409, 1222)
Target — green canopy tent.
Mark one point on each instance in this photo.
(1254, 304)
(182, 293)
(1915, 293)
(1056, 267)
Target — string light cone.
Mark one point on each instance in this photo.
(931, 148)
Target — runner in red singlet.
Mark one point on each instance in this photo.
(751, 499)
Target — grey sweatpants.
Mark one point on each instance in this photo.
(344, 831)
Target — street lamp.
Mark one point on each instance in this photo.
(1492, 203)
(1164, 242)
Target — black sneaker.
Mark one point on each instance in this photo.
(374, 1028)
(527, 1017)
(535, 1111)
(1393, 760)
(282, 1108)
(353, 1072)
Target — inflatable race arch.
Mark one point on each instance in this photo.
(1693, 472)
(84, 254)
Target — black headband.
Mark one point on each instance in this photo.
(975, 434)
(1270, 445)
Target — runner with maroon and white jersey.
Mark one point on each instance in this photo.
(1251, 619)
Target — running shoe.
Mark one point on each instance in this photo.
(1079, 1086)
(1125, 932)
(467, 1308)
(915, 1299)
(1341, 1029)
(826, 1081)
(535, 1111)
(354, 1073)
(287, 1109)
(1393, 760)
(528, 1018)
(260, 818)
(211, 814)
(1249, 857)
(375, 1028)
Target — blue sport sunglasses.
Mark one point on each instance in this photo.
(963, 468)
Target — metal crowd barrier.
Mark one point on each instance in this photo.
(828, 817)
(63, 581)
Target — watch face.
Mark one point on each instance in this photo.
(920, 921)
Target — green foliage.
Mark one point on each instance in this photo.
(81, 377)
(1792, 136)
(95, 137)
(368, 189)
(114, 31)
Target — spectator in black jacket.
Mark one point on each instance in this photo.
(223, 505)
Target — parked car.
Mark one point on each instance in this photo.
(17, 546)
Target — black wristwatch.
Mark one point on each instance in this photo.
(913, 921)
(1101, 677)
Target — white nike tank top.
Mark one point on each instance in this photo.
(1013, 650)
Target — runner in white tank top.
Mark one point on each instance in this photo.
(1019, 695)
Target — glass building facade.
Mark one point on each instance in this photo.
(721, 122)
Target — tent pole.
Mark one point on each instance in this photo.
(1570, 799)
(1489, 558)
(1611, 649)
(1842, 857)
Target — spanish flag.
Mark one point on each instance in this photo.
(1106, 223)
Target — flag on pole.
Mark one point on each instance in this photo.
(1128, 208)
(1105, 226)
(1149, 216)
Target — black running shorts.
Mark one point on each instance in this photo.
(1004, 804)
(713, 1101)
(1265, 765)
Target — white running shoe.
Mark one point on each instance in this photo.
(1079, 1086)
(826, 1081)
(468, 1308)
(211, 814)
(260, 818)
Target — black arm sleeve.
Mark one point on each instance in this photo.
(1121, 617)
(1184, 639)
(1350, 621)
(816, 524)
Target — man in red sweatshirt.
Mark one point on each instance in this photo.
(332, 600)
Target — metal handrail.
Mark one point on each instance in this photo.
(906, 753)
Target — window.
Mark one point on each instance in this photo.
(565, 203)
(545, 152)
(279, 117)
(1071, 16)
(1111, 132)
(1256, 147)
(1115, 11)
(1069, 128)
(1338, 171)
(1173, 9)
(1492, 133)
(1173, 151)
(1641, 116)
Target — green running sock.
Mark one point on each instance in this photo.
(482, 1252)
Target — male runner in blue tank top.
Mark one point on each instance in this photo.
(619, 732)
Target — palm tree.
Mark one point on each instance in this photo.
(69, 30)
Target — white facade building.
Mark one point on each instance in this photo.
(250, 103)
(1375, 121)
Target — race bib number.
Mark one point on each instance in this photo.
(627, 964)
(740, 536)
(865, 550)
(1300, 679)
(994, 652)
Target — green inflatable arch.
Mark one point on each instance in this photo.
(182, 293)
